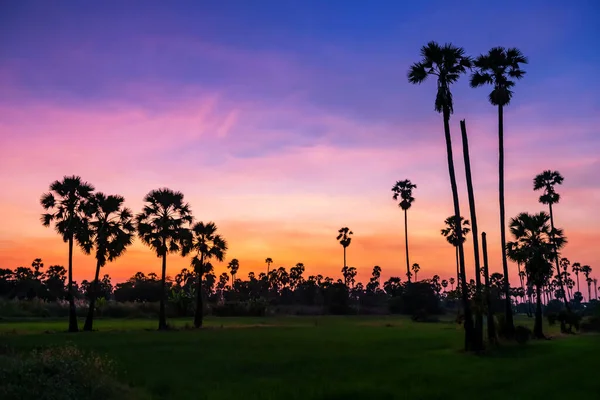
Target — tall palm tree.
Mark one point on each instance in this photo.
(268, 261)
(577, 269)
(586, 270)
(595, 280)
(344, 236)
(111, 232)
(491, 327)
(233, 267)
(208, 245)
(472, 209)
(446, 64)
(455, 237)
(403, 190)
(451, 280)
(163, 225)
(547, 181)
(500, 67)
(536, 245)
(66, 205)
(416, 268)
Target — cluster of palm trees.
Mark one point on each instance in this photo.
(537, 241)
(101, 223)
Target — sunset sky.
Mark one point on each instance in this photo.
(283, 121)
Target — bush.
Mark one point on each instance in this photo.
(568, 320)
(522, 334)
(60, 373)
(590, 324)
(253, 308)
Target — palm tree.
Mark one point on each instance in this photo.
(455, 237)
(233, 267)
(451, 280)
(416, 268)
(208, 245)
(345, 239)
(66, 205)
(470, 191)
(111, 232)
(546, 181)
(595, 280)
(163, 225)
(577, 269)
(447, 63)
(491, 327)
(497, 68)
(587, 270)
(268, 261)
(403, 189)
(536, 245)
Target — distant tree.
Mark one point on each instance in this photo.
(499, 68)
(344, 237)
(233, 266)
(65, 203)
(444, 284)
(446, 64)
(111, 231)
(537, 245)
(455, 237)
(55, 282)
(452, 281)
(268, 261)
(163, 225)
(403, 190)
(586, 270)
(295, 276)
(416, 268)
(547, 181)
(207, 245)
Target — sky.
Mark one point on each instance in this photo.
(282, 121)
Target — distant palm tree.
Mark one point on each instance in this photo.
(111, 232)
(163, 225)
(416, 268)
(233, 267)
(455, 237)
(546, 181)
(403, 190)
(497, 68)
(208, 245)
(586, 270)
(66, 203)
(595, 280)
(344, 237)
(268, 261)
(535, 245)
(451, 280)
(446, 64)
(444, 284)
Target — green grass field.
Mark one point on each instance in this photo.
(325, 358)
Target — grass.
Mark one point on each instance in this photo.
(324, 358)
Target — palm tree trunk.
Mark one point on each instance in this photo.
(457, 269)
(199, 306)
(478, 299)
(510, 325)
(93, 295)
(491, 327)
(162, 315)
(345, 283)
(469, 337)
(537, 327)
(577, 275)
(406, 243)
(560, 281)
(596, 289)
(589, 291)
(72, 312)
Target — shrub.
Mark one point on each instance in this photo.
(60, 373)
(568, 320)
(522, 334)
(591, 324)
(253, 308)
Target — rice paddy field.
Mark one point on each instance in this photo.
(324, 358)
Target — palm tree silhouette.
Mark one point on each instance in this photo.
(595, 280)
(403, 189)
(586, 270)
(233, 267)
(208, 245)
(163, 226)
(345, 239)
(451, 280)
(111, 231)
(455, 237)
(268, 261)
(576, 267)
(66, 203)
(546, 181)
(447, 63)
(536, 245)
(497, 68)
(416, 268)
(491, 331)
